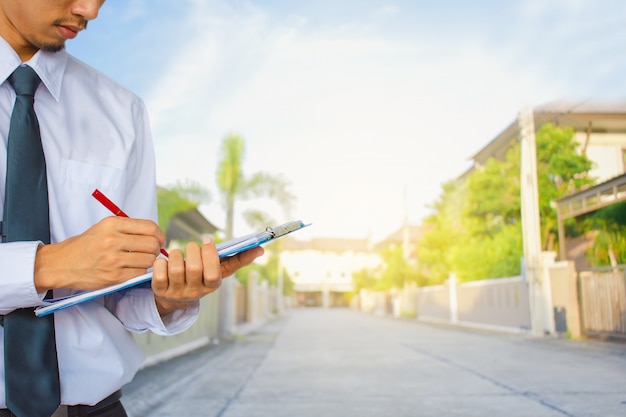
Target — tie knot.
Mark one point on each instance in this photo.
(24, 80)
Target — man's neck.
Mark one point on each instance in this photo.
(24, 50)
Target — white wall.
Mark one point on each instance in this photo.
(311, 269)
(606, 151)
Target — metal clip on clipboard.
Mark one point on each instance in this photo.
(284, 229)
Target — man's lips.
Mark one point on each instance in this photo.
(69, 32)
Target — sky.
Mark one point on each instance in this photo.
(366, 107)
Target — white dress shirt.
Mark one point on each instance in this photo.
(95, 134)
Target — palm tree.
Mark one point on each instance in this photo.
(233, 185)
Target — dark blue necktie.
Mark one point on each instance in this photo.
(30, 356)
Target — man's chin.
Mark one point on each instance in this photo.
(52, 47)
(48, 45)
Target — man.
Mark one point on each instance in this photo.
(94, 134)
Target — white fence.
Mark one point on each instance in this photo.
(494, 303)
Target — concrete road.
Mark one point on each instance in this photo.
(338, 362)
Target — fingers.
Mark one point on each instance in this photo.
(142, 244)
(212, 273)
(132, 235)
(128, 244)
(176, 272)
(194, 269)
(177, 282)
(168, 276)
(231, 264)
(193, 277)
(132, 226)
(160, 281)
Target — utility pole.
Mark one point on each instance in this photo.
(538, 288)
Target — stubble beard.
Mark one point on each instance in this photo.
(51, 47)
(55, 47)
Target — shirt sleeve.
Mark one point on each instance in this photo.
(136, 309)
(17, 263)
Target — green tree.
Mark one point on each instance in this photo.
(181, 197)
(476, 229)
(395, 272)
(561, 170)
(397, 269)
(443, 232)
(489, 256)
(233, 185)
(608, 225)
(493, 193)
(366, 279)
(609, 246)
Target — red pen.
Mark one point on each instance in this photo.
(113, 208)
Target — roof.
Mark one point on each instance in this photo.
(323, 244)
(189, 225)
(587, 116)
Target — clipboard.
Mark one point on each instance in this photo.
(224, 250)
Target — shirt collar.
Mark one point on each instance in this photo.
(50, 66)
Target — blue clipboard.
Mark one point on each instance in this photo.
(224, 250)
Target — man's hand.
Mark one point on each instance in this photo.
(112, 251)
(177, 283)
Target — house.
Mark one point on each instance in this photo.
(189, 225)
(600, 130)
(322, 269)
